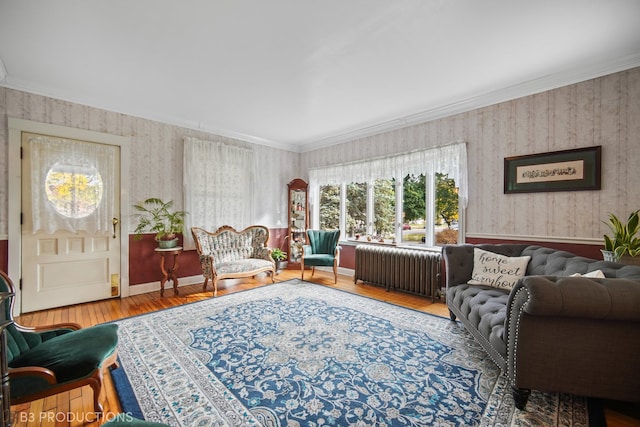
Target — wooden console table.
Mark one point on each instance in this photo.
(169, 274)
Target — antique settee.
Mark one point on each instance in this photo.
(228, 254)
(555, 330)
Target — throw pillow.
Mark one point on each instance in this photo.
(596, 274)
(497, 270)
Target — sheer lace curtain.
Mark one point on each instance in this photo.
(72, 185)
(450, 159)
(219, 181)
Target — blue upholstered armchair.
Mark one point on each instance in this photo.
(48, 360)
(322, 250)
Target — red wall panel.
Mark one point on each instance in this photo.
(144, 262)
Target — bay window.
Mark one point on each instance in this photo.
(413, 198)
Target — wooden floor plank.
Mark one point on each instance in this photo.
(80, 402)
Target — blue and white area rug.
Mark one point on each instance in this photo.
(299, 354)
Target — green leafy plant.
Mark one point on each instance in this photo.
(278, 254)
(156, 216)
(624, 240)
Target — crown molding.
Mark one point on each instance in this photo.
(575, 74)
(31, 87)
(3, 72)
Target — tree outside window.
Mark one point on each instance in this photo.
(415, 207)
(74, 191)
(329, 207)
(356, 209)
(384, 216)
(418, 196)
(446, 209)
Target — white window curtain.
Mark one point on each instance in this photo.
(72, 185)
(219, 181)
(450, 159)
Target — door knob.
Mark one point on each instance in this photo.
(115, 222)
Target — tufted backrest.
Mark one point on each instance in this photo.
(226, 244)
(552, 262)
(544, 262)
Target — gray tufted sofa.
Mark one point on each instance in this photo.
(552, 332)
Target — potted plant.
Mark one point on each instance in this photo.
(278, 256)
(157, 216)
(623, 245)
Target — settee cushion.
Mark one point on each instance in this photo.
(497, 271)
(241, 265)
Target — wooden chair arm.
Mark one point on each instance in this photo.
(33, 371)
(45, 328)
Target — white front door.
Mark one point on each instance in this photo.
(70, 221)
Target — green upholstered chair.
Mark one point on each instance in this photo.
(322, 250)
(52, 359)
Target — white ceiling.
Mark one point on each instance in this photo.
(300, 74)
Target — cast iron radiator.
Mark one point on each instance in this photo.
(405, 269)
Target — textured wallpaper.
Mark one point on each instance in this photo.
(156, 153)
(604, 111)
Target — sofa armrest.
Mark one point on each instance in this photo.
(458, 261)
(578, 297)
(574, 335)
(208, 266)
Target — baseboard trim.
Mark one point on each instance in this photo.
(144, 288)
(343, 271)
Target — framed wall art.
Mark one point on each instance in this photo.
(567, 170)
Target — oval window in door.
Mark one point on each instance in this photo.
(75, 191)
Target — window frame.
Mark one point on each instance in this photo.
(449, 159)
(430, 214)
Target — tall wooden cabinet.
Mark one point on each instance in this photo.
(298, 221)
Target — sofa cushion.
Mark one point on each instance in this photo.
(497, 271)
(485, 309)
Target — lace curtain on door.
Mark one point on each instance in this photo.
(72, 184)
(218, 186)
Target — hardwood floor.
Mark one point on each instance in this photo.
(74, 408)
